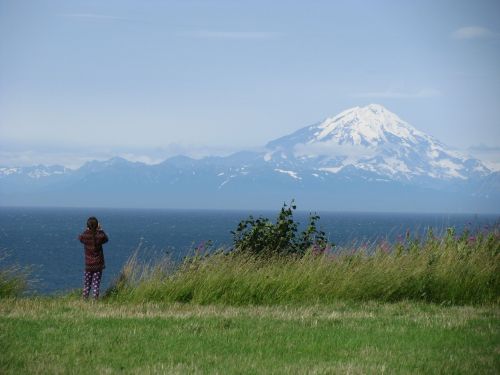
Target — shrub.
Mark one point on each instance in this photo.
(263, 238)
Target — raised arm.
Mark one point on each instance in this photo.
(103, 238)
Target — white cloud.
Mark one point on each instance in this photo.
(394, 94)
(333, 149)
(240, 35)
(489, 155)
(473, 32)
(74, 157)
(26, 158)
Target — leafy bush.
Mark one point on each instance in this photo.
(263, 238)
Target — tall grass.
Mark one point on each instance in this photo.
(13, 278)
(449, 270)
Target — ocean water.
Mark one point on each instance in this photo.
(45, 239)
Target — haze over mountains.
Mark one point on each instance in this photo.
(363, 159)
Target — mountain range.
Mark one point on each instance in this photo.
(363, 159)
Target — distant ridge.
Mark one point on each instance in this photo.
(363, 159)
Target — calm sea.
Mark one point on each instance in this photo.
(46, 238)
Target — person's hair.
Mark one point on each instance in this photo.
(93, 224)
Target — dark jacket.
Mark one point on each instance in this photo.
(94, 256)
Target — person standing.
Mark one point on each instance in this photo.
(92, 239)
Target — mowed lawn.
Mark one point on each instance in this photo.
(63, 335)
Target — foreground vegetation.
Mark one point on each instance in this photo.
(271, 263)
(446, 270)
(66, 335)
(13, 278)
(279, 302)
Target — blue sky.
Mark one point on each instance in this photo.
(149, 79)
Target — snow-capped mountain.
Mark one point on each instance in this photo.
(376, 140)
(365, 159)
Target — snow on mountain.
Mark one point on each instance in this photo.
(35, 172)
(365, 158)
(6, 171)
(372, 139)
(363, 143)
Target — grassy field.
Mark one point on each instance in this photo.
(66, 335)
(422, 306)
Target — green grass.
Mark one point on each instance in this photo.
(66, 335)
(14, 279)
(444, 270)
(430, 306)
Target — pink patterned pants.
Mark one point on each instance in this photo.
(91, 280)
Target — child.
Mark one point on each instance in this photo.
(93, 238)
